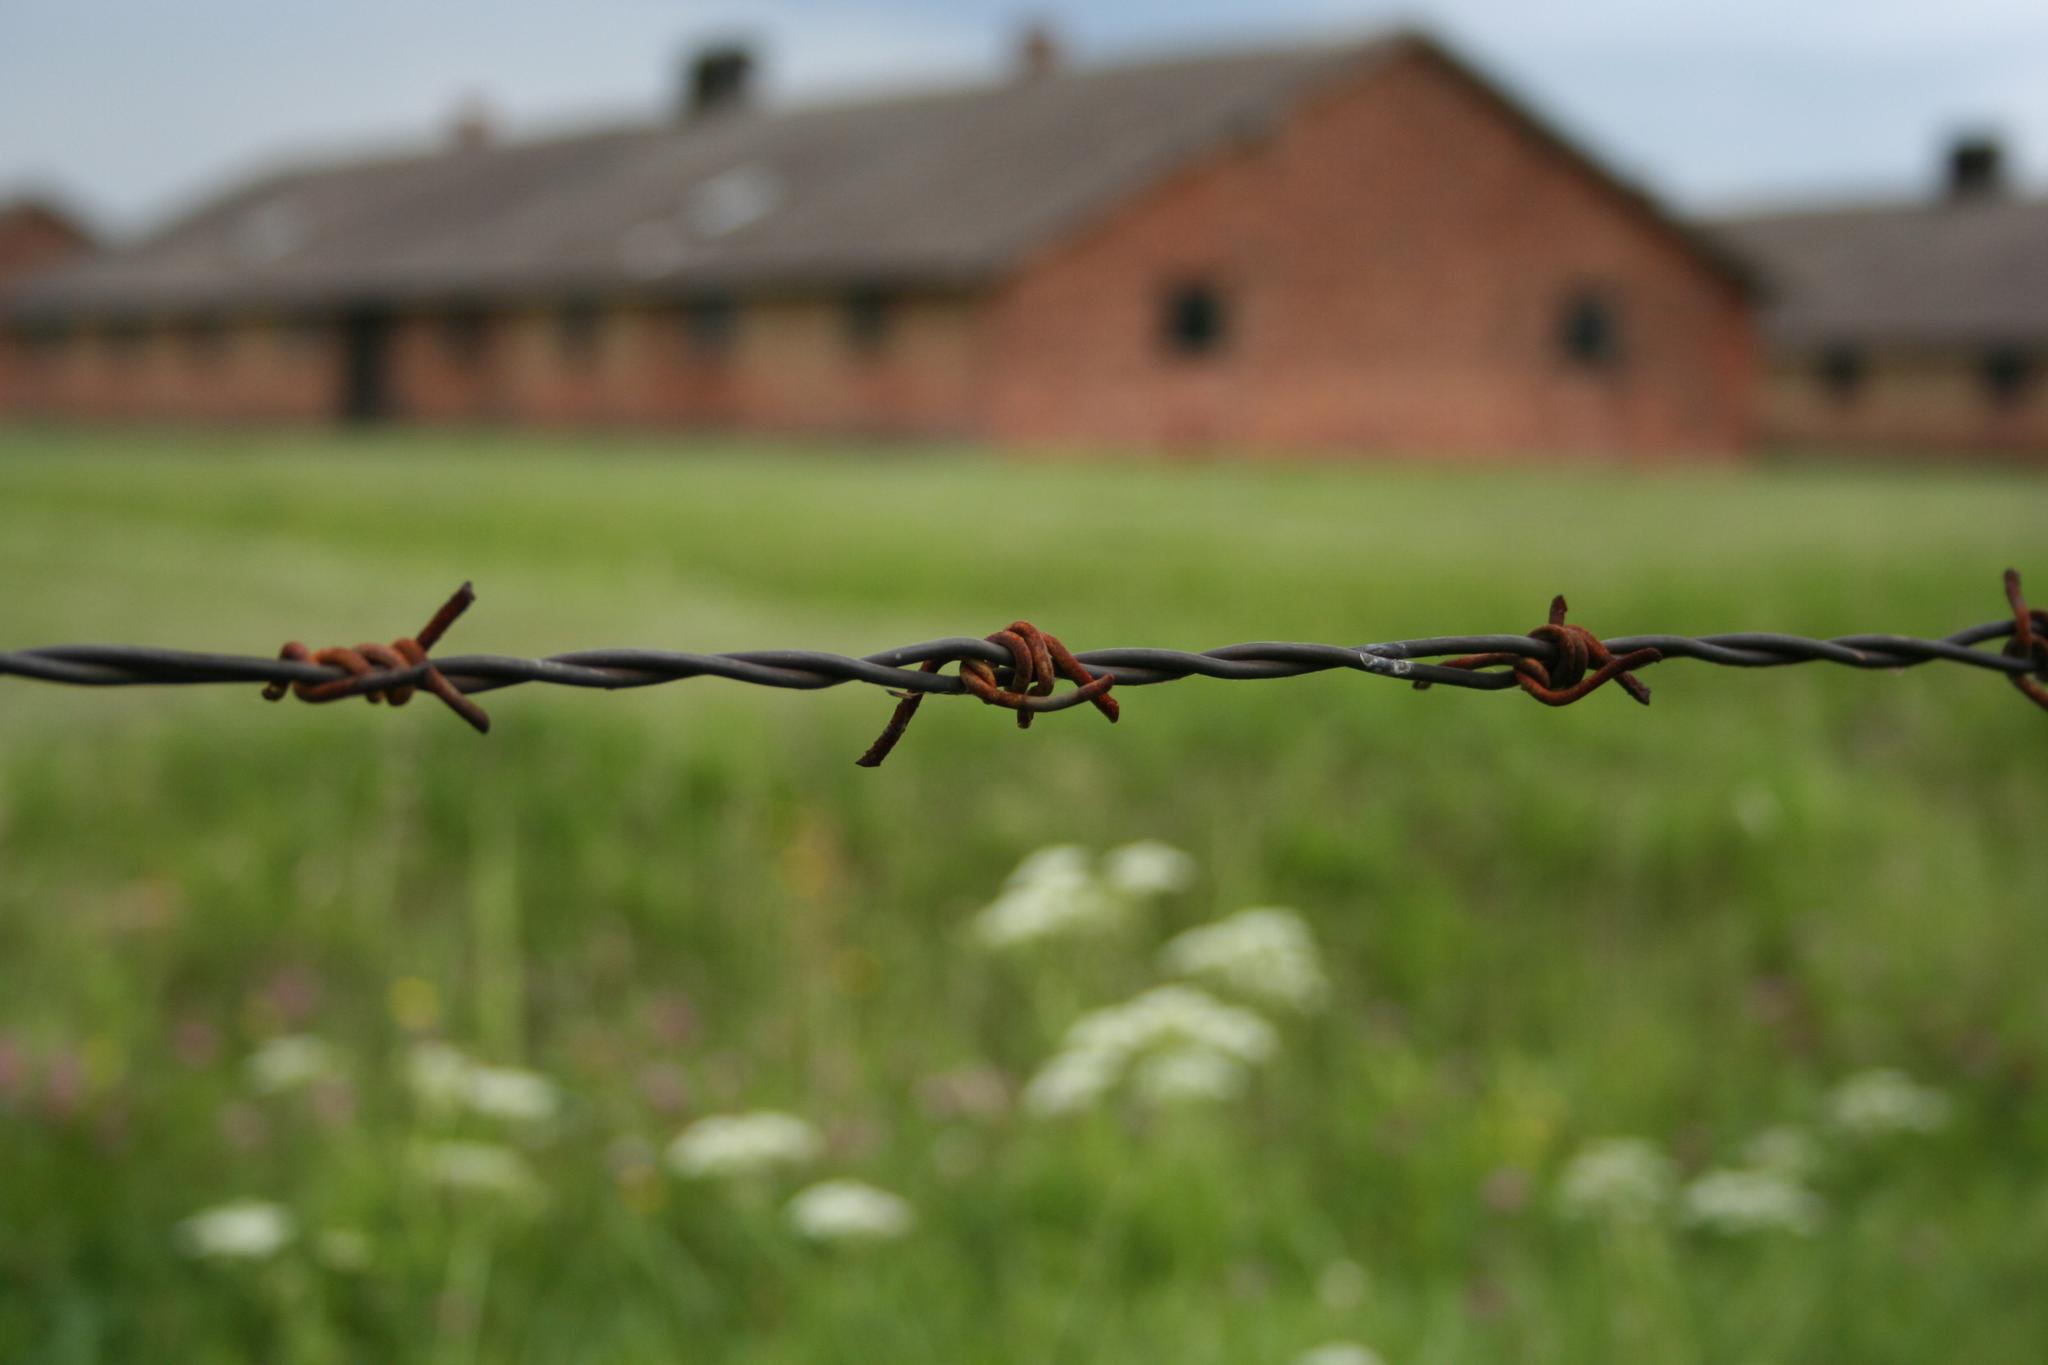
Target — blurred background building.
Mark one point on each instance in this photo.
(1354, 246)
(1349, 246)
(1918, 325)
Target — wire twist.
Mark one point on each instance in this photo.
(1564, 680)
(1036, 658)
(1018, 668)
(408, 652)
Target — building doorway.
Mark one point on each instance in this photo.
(365, 366)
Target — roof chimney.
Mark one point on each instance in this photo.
(719, 80)
(1038, 51)
(1976, 168)
(470, 126)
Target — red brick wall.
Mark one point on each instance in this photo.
(1395, 257)
(239, 369)
(1921, 400)
(32, 238)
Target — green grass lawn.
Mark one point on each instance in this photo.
(1540, 929)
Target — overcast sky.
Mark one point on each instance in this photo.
(129, 108)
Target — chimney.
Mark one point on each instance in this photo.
(720, 80)
(1976, 168)
(1038, 52)
(470, 126)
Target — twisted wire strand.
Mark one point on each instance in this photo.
(110, 665)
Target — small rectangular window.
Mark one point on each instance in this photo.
(126, 339)
(2009, 373)
(1843, 371)
(576, 331)
(1589, 330)
(1194, 319)
(870, 316)
(711, 324)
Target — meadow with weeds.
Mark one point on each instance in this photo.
(1313, 1022)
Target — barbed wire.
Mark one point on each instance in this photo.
(1018, 668)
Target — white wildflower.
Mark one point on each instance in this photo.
(291, 1063)
(1339, 1353)
(1054, 862)
(1785, 1149)
(446, 1078)
(439, 1074)
(246, 1230)
(506, 1092)
(742, 1144)
(1165, 1015)
(1740, 1202)
(1885, 1100)
(1074, 1079)
(478, 1167)
(1102, 1045)
(1624, 1179)
(1147, 868)
(1190, 1074)
(1052, 894)
(1265, 953)
(849, 1211)
(343, 1249)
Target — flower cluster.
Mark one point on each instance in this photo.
(1178, 1043)
(1629, 1180)
(1619, 1179)
(1883, 1101)
(1266, 954)
(758, 1146)
(291, 1062)
(445, 1079)
(727, 1146)
(1172, 1044)
(849, 1211)
(1744, 1201)
(1060, 892)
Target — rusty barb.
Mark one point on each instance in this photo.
(2029, 642)
(1019, 668)
(407, 652)
(1036, 660)
(1564, 680)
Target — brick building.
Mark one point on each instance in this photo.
(1366, 246)
(1920, 326)
(36, 236)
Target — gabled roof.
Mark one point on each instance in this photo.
(1953, 272)
(941, 189)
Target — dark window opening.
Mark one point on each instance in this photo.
(711, 324)
(576, 332)
(303, 332)
(207, 339)
(1844, 370)
(466, 335)
(366, 388)
(1195, 320)
(125, 340)
(2008, 374)
(870, 315)
(1589, 332)
(42, 337)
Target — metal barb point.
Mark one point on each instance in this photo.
(1564, 679)
(365, 667)
(2029, 641)
(1037, 661)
